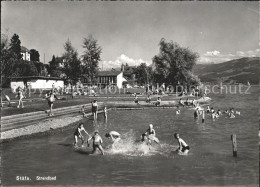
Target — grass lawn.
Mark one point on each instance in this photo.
(36, 101)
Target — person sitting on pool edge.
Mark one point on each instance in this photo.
(181, 102)
(115, 137)
(97, 141)
(148, 99)
(136, 99)
(78, 134)
(158, 102)
(183, 146)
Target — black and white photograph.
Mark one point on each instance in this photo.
(130, 93)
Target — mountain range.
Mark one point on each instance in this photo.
(241, 70)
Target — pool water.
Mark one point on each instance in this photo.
(209, 162)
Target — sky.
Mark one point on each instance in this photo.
(129, 32)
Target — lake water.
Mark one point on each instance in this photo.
(209, 161)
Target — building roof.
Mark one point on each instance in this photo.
(35, 77)
(108, 73)
(24, 49)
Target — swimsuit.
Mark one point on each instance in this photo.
(94, 107)
(77, 132)
(150, 132)
(196, 114)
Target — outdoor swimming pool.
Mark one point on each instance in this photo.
(209, 162)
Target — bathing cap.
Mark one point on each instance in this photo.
(151, 126)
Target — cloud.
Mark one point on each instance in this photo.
(122, 59)
(218, 57)
(212, 53)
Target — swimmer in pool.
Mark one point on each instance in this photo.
(97, 141)
(178, 111)
(150, 135)
(78, 134)
(196, 113)
(219, 112)
(208, 109)
(231, 115)
(115, 137)
(183, 146)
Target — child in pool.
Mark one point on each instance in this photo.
(94, 109)
(83, 112)
(196, 113)
(208, 109)
(97, 141)
(219, 112)
(105, 112)
(150, 135)
(178, 111)
(183, 146)
(78, 134)
(115, 136)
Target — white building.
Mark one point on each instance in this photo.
(36, 82)
(111, 78)
(26, 53)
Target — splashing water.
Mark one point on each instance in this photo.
(129, 145)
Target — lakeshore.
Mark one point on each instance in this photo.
(72, 116)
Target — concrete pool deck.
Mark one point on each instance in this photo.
(38, 122)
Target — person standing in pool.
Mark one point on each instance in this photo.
(105, 112)
(115, 137)
(208, 109)
(97, 141)
(94, 109)
(196, 113)
(183, 146)
(78, 135)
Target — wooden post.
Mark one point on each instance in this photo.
(203, 116)
(234, 144)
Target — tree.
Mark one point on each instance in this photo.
(72, 64)
(34, 55)
(15, 47)
(54, 69)
(7, 62)
(173, 64)
(25, 68)
(143, 74)
(91, 57)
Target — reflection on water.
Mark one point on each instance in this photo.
(209, 161)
